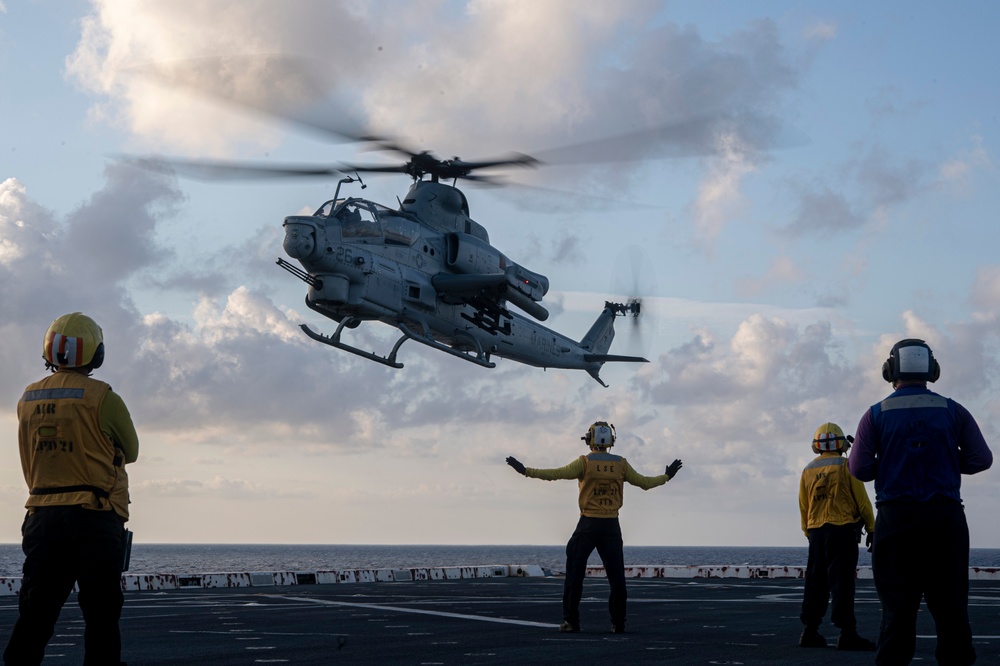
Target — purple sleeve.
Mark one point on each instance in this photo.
(974, 454)
(862, 463)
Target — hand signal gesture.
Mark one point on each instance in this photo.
(673, 468)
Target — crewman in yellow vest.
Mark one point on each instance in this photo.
(833, 506)
(75, 436)
(601, 477)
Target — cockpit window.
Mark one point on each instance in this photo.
(398, 229)
(326, 210)
(357, 221)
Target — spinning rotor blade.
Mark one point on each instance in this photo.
(634, 277)
(302, 92)
(286, 87)
(212, 170)
(690, 138)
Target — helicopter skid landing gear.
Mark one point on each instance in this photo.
(480, 358)
(334, 341)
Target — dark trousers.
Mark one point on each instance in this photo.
(921, 549)
(830, 572)
(604, 534)
(63, 545)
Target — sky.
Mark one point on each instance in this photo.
(777, 270)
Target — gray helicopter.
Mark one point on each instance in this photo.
(428, 269)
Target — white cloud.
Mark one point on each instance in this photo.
(494, 78)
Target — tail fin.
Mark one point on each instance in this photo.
(598, 341)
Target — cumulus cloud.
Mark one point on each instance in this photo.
(491, 78)
(51, 266)
(739, 406)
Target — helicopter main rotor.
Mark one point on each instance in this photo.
(425, 163)
(304, 81)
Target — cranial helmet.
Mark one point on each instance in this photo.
(73, 341)
(829, 437)
(911, 360)
(601, 435)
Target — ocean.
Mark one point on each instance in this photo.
(219, 558)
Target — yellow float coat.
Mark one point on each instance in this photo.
(75, 436)
(602, 477)
(829, 495)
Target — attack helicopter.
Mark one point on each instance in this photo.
(428, 269)
(425, 267)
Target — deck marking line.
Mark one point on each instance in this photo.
(418, 611)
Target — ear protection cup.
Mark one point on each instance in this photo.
(887, 370)
(98, 357)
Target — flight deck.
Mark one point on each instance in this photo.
(489, 620)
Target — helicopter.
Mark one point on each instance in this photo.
(428, 269)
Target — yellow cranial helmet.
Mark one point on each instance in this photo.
(73, 341)
(829, 437)
(601, 435)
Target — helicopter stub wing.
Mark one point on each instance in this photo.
(468, 288)
(465, 284)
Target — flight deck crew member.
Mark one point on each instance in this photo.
(833, 506)
(601, 477)
(75, 436)
(916, 444)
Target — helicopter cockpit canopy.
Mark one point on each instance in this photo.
(365, 221)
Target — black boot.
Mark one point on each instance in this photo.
(850, 641)
(810, 638)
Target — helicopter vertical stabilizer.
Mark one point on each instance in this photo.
(598, 339)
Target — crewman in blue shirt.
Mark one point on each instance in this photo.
(915, 445)
(601, 477)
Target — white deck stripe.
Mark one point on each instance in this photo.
(418, 611)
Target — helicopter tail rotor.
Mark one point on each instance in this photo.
(635, 278)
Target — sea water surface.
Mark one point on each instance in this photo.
(218, 558)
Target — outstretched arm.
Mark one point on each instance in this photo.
(574, 470)
(647, 482)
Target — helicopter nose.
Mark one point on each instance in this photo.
(300, 240)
